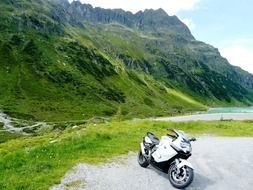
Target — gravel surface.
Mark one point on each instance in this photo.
(220, 164)
(209, 117)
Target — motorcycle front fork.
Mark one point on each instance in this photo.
(176, 163)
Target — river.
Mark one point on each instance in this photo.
(9, 124)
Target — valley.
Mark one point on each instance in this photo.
(74, 62)
(77, 81)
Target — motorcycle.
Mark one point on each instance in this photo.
(169, 155)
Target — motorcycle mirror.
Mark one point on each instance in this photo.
(193, 139)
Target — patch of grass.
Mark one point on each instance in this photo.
(39, 162)
(1, 125)
(44, 130)
(185, 98)
(73, 183)
(6, 136)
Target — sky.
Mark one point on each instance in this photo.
(225, 24)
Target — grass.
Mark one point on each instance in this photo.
(73, 183)
(39, 162)
(1, 125)
(5, 135)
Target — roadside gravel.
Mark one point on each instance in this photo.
(221, 163)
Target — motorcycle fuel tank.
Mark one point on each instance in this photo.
(164, 151)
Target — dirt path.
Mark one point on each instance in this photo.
(220, 163)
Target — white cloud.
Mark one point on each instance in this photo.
(170, 6)
(189, 22)
(239, 55)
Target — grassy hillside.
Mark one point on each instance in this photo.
(39, 162)
(54, 72)
(71, 80)
(179, 63)
(57, 63)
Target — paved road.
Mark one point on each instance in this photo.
(220, 164)
(209, 117)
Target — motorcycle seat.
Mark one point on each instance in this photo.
(153, 138)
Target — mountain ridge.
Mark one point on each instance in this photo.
(187, 33)
(144, 20)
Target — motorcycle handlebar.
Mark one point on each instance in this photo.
(193, 139)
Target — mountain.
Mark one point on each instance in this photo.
(67, 61)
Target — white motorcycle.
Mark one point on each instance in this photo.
(169, 155)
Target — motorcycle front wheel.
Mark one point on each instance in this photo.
(182, 178)
(142, 160)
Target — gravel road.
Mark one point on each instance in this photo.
(220, 163)
(209, 117)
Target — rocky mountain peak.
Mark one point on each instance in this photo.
(149, 20)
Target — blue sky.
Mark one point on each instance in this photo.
(225, 24)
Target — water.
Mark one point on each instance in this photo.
(230, 110)
(215, 114)
(8, 124)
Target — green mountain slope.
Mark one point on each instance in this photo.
(62, 61)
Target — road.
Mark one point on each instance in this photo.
(209, 117)
(221, 163)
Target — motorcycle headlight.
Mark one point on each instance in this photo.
(185, 146)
